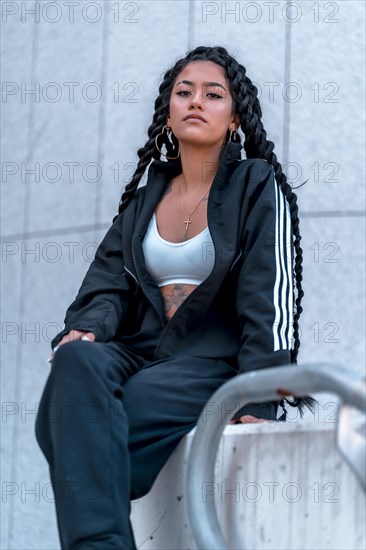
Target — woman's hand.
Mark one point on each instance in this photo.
(69, 337)
(248, 419)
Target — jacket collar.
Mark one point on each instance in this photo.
(161, 172)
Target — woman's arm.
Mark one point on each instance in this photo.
(101, 302)
(264, 294)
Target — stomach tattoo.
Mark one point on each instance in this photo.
(174, 295)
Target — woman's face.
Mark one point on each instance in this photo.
(201, 89)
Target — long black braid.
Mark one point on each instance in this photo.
(256, 145)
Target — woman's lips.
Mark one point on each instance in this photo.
(193, 119)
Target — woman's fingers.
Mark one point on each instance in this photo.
(69, 337)
(248, 419)
(88, 336)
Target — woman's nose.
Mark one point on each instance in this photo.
(196, 100)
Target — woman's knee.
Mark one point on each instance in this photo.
(88, 364)
(102, 361)
(75, 365)
(75, 354)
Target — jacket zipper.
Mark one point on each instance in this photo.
(145, 293)
(134, 278)
(236, 260)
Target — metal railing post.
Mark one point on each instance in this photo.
(259, 386)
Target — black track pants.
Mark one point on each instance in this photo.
(107, 422)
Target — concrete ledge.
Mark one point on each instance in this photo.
(283, 485)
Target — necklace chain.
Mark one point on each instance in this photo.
(190, 214)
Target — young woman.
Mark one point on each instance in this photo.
(192, 284)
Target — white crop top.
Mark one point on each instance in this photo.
(189, 262)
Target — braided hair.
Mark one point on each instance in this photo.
(256, 145)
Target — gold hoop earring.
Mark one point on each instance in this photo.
(167, 128)
(233, 137)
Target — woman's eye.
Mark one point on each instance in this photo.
(211, 94)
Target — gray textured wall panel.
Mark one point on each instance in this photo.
(66, 131)
(16, 118)
(333, 322)
(12, 303)
(327, 120)
(332, 325)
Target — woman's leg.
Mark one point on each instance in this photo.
(163, 402)
(82, 430)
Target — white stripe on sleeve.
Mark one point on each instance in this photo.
(282, 290)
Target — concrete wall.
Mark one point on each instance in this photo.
(304, 499)
(307, 60)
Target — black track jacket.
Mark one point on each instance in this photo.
(242, 312)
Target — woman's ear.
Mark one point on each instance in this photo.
(236, 120)
(234, 125)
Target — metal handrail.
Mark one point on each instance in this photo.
(258, 386)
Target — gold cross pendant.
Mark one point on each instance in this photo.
(187, 222)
